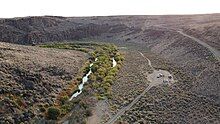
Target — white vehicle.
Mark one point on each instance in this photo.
(160, 75)
(165, 81)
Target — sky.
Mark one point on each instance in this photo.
(21, 8)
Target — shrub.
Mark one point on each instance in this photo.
(53, 113)
(92, 77)
(63, 99)
(95, 67)
(101, 97)
(42, 109)
(78, 78)
(88, 112)
(86, 69)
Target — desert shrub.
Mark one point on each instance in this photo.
(108, 81)
(63, 99)
(119, 57)
(78, 78)
(42, 109)
(92, 78)
(101, 97)
(53, 113)
(95, 85)
(112, 72)
(108, 94)
(83, 50)
(101, 71)
(83, 104)
(86, 69)
(88, 112)
(95, 67)
(70, 46)
(20, 102)
(66, 107)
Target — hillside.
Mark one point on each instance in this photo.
(32, 77)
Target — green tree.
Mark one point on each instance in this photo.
(63, 99)
(53, 113)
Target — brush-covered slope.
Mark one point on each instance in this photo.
(31, 77)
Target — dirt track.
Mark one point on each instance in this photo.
(215, 52)
(154, 82)
(122, 111)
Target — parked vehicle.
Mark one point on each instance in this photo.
(165, 81)
(170, 77)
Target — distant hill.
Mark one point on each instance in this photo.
(43, 29)
(54, 28)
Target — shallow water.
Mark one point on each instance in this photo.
(84, 80)
(114, 63)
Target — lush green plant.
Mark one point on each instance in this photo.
(42, 109)
(103, 72)
(71, 46)
(63, 99)
(53, 113)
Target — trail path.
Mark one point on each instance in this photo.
(149, 62)
(214, 51)
(122, 111)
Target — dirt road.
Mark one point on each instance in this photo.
(122, 111)
(215, 52)
(154, 81)
(149, 62)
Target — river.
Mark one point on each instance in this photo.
(86, 77)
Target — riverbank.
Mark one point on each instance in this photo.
(104, 63)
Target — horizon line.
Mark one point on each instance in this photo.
(113, 15)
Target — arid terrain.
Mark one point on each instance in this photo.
(168, 69)
(33, 77)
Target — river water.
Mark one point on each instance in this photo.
(114, 63)
(85, 79)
